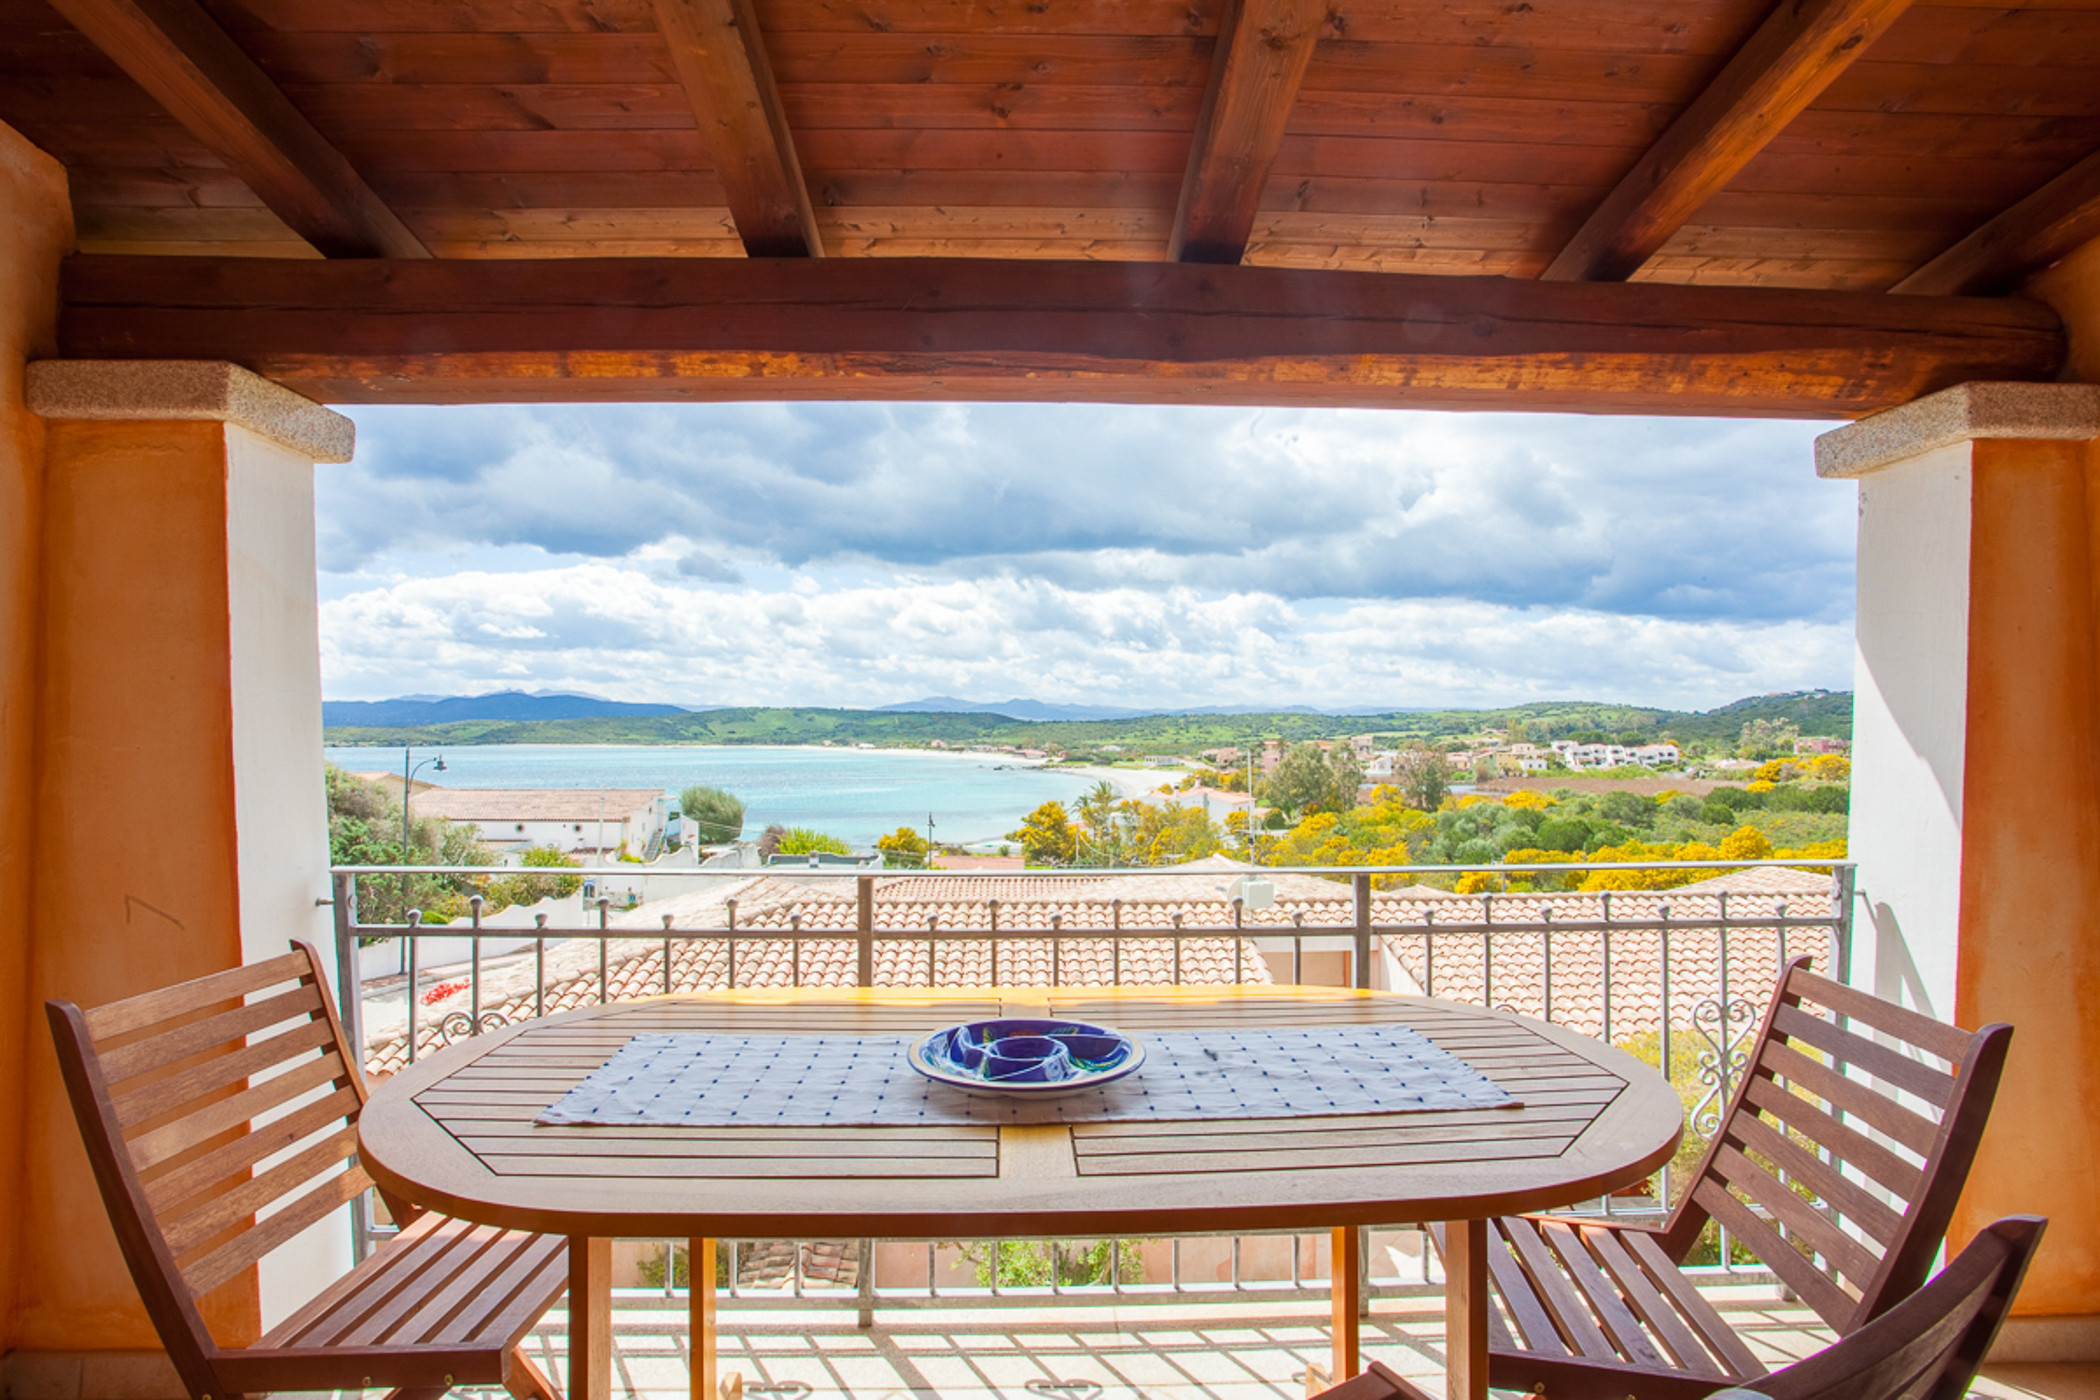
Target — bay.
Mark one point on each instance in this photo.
(854, 794)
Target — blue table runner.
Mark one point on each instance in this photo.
(712, 1081)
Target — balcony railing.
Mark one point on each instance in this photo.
(1677, 975)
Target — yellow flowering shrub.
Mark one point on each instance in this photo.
(1745, 843)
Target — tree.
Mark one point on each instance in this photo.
(903, 849)
(1348, 778)
(1310, 780)
(1766, 738)
(769, 841)
(364, 828)
(717, 815)
(1423, 775)
(1046, 835)
(1172, 835)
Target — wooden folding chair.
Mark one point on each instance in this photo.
(1926, 1347)
(220, 1116)
(1841, 1186)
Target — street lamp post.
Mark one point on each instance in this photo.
(408, 774)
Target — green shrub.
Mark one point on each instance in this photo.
(806, 841)
(1028, 1263)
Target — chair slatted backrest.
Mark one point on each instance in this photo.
(1841, 1184)
(220, 1117)
(1928, 1346)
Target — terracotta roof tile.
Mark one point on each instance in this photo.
(813, 922)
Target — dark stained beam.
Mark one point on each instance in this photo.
(2055, 219)
(1802, 46)
(1263, 49)
(472, 330)
(721, 60)
(178, 53)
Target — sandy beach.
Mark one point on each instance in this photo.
(1131, 782)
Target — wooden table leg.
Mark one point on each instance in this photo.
(1345, 1269)
(590, 1319)
(1466, 1309)
(700, 1294)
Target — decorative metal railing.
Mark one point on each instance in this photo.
(1678, 975)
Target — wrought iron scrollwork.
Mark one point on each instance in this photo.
(458, 1025)
(1725, 1028)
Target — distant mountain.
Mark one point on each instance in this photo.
(502, 705)
(1016, 708)
(1185, 732)
(1042, 711)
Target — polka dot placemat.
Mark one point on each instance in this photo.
(707, 1081)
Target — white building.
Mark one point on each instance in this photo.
(587, 823)
(1216, 803)
(1594, 756)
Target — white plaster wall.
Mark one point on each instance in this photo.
(1910, 726)
(280, 802)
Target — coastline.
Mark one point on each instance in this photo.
(1128, 782)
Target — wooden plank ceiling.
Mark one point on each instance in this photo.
(1837, 145)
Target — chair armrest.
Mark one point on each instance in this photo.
(1378, 1382)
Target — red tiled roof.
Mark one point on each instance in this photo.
(1506, 968)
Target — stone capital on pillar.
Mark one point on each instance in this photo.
(1976, 784)
(1964, 413)
(190, 390)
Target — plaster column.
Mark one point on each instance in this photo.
(36, 230)
(182, 823)
(1976, 785)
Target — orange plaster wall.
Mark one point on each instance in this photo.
(2030, 901)
(134, 719)
(36, 230)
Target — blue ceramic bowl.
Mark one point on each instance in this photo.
(1027, 1059)
(1025, 1056)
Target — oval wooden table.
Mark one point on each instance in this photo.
(456, 1132)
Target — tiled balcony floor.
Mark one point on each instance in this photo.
(1064, 1351)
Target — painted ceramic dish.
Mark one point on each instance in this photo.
(1024, 1058)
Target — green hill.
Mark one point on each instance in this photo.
(1817, 712)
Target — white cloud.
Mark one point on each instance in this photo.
(868, 553)
(621, 631)
(1680, 518)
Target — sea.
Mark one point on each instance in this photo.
(854, 794)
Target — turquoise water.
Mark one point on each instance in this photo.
(856, 794)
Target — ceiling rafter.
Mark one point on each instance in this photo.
(1263, 49)
(1798, 51)
(493, 330)
(720, 57)
(181, 56)
(2024, 239)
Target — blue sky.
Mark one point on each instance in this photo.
(860, 554)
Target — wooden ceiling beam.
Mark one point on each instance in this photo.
(1798, 51)
(2057, 218)
(721, 61)
(472, 330)
(1261, 57)
(179, 54)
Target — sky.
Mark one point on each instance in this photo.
(865, 554)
